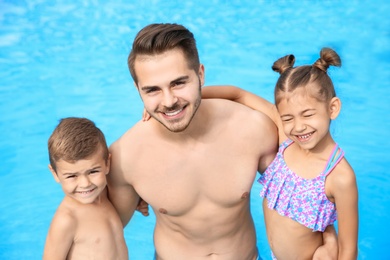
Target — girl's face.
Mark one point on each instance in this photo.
(306, 120)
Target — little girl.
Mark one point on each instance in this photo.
(309, 177)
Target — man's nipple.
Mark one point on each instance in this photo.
(245, 195)
(163, 211)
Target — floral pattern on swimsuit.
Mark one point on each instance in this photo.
(302, 200)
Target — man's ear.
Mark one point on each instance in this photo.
(53, 172)
(201, 74)
(334, 107)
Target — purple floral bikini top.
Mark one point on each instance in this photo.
(302, 200)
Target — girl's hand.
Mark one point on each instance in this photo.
(143, 207)
(145, 116)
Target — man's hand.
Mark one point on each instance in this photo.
(143, 207)
(329, 250)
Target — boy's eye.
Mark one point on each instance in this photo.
(308, 115)
(70, 176)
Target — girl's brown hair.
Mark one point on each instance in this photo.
(313, 77)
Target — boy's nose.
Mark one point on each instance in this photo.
(84, 181)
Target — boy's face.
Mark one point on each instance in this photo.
(83, 180)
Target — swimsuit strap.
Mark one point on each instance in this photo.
(335, 157)
(285, 144)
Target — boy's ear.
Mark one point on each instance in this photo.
(108, 163)
(334, 107)
(53, 172)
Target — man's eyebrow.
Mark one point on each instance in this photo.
(146, 88)
(182, 78)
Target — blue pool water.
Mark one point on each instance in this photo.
(63, 58)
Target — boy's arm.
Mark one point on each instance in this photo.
(121, 193)
(248, 99)
(60, 237)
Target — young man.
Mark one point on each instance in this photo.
(86, 225)
(194, 161)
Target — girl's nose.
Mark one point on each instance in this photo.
(300, 126)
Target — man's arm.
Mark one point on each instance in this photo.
(120, 192)
(60, 237)
(248, 99)
(265, 134)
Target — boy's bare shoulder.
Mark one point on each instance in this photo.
(65, 219)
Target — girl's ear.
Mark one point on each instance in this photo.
(334, 107)
(53, 172)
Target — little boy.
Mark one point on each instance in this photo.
(86, 225)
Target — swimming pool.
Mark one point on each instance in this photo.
(68, 58)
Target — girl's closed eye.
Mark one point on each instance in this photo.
(287, 118)
(308, 115)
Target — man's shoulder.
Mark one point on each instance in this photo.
(237, 111)
(132, 136)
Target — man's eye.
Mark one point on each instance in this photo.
(178, 83)
(150, 91)
(95, 171)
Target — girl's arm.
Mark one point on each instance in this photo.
(248, 99)
(344, 191)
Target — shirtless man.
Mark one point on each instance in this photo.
(193, 162)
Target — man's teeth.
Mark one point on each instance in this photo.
(173, 113)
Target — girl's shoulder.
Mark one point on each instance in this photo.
(342, 177)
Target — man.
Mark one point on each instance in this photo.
(194, 161)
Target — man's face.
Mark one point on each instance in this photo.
(171, 92)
